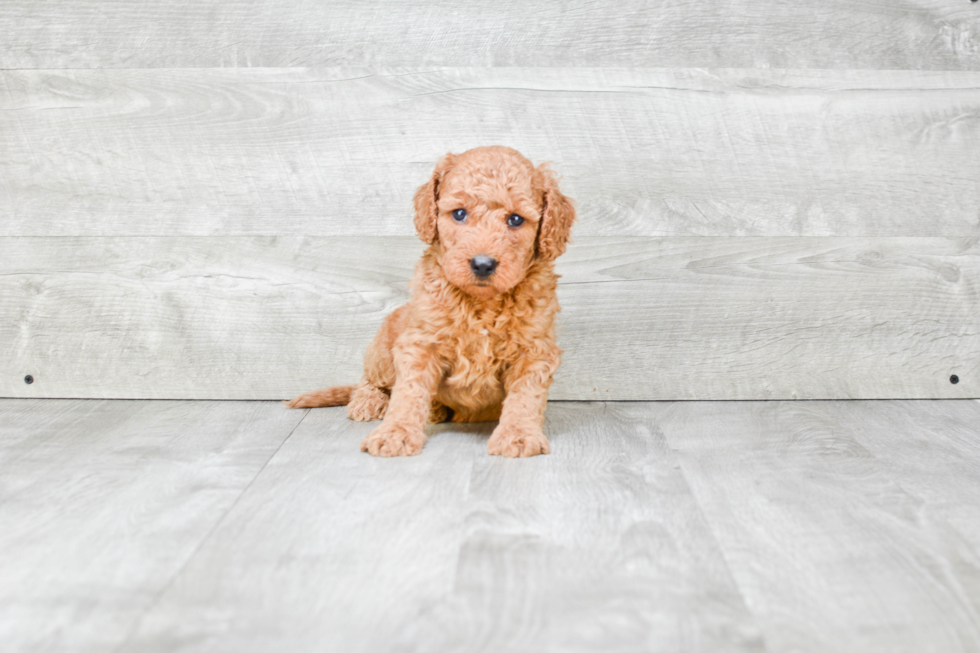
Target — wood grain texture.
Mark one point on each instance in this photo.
(826, 545)
(914, 34)
(341, 151)
(675, 318)
(597, 546)
(932, 449)
(102, 503)
(330, 550)
(823, 527)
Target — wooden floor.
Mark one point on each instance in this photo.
(700, 526)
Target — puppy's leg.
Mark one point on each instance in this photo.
(401, 434)
(369, 400)
(520, 432)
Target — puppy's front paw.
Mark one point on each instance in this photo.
(515, 442)
(394, 440)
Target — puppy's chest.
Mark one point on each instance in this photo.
(480, 344)
(479, 348)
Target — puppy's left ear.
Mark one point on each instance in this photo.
(425, 200)
(556, 218)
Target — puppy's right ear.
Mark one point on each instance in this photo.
(425, 200)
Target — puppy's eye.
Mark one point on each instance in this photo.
(459, 215)
(515, 220)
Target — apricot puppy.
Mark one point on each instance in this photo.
(476, 342)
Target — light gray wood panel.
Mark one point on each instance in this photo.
(684, 318)
(193, 318)
(936, 34)
(933, 449)
(330, 550)
(341, 151)
(825, 545)
(597, 546)
(771, 318)
(102, 503)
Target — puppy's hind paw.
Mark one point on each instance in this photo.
(367, 403)
(514, 442)
(439, 414)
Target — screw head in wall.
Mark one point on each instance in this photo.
(28, 379)
(954, 379)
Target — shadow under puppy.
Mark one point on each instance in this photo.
(478, 335)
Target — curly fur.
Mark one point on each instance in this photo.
(475, 349)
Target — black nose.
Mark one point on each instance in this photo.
(483, 266)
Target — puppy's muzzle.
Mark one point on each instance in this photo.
(483, 266)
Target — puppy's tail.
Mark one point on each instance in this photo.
(339, 395)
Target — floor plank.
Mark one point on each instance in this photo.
(597, 547)
(828, 549)
(102, 503)
(932, 449)
(340, 151)
(642, 319)
(329, 550)
(926, 34)
(695, 526)
(599, 544)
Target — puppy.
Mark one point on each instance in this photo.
(476, 342)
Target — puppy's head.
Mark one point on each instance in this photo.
(491, 214)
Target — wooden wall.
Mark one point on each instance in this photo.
(213, 200)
